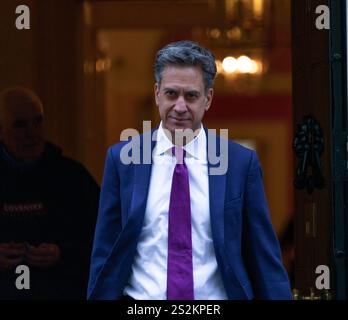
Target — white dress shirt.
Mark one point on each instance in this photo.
(148, 280)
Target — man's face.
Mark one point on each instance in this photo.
(181, 98)
(21, 131)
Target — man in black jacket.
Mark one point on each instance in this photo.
(48, 206)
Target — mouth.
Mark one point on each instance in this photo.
(179, 119)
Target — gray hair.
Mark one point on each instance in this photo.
(186, 53)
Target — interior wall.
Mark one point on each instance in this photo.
(129, 82)
(44, 59)
(19, 49)
(273, 146)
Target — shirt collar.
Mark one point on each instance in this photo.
(195, 148)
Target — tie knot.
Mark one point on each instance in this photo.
(179, 154)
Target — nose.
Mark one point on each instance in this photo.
(31, 129)
(180, 105)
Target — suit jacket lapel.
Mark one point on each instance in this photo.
(141, 181)
(217, 186)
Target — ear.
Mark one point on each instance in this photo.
(209, 99)
(156, 91)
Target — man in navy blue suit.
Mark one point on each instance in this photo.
(184, 226)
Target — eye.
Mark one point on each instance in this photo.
(191, 95)
(170, 93)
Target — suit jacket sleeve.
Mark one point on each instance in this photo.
(260, 245)
(109, 222)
